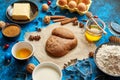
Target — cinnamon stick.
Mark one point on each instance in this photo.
(59, 20)
(114, 39)
(68, 20)
(57, 17)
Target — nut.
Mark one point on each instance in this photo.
(91, 54)
(38, 29)
(75, 23)
(30, 67)
(45, 7)
(2, 24)
(31, 38)
(37, 38)
(47, 19)
(81, 25)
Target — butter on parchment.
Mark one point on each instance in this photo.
(21, 11)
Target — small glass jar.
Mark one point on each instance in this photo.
(92, 31)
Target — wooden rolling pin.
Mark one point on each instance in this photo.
(114, 39)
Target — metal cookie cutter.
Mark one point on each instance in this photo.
(85, 68)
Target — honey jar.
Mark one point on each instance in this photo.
(92, 31)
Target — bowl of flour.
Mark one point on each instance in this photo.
(107, 58)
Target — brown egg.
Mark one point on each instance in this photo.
(76, 1)
(81, 7)
(62, 2)
(45, 7)
(86, 1)
(72, 4)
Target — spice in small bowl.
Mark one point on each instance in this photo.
(11, 31)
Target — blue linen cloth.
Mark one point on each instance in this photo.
(107, 10)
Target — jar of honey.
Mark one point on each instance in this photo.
(92, 31)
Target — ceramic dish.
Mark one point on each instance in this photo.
(109, 43)
(33, 12)
(11, 31)
(22, 50)
(47, 71)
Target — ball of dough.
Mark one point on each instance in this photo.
(60, 42)
(72, 4)
(62, 2)
(45, 7)
(86, 1)
(82, 7)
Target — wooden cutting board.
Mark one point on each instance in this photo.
(80, 52)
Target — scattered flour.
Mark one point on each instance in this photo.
(108, 59)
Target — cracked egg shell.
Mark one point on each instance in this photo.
(62, 2)
(86, 1)
(72, 4)
(82, 7)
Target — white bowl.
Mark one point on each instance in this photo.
(20, 45)
(47, 71)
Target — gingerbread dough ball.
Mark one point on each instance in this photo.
(60, 42)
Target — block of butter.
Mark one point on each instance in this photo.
(21, 11)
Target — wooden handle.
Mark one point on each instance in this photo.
(90, 16)
(99, 26)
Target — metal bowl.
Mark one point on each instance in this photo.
(109, 43)
(33, 12)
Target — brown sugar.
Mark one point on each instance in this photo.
(11, 31)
